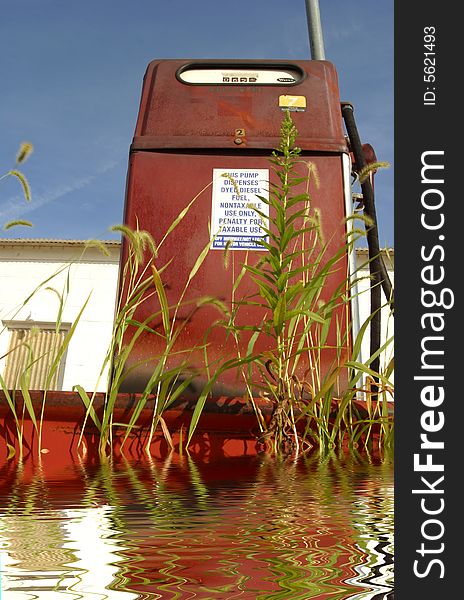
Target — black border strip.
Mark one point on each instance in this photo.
(428, 355)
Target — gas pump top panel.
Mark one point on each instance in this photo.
(208, 104)
(229, 75)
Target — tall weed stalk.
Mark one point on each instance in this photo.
(300, 322)
(142, 279)
(53, 356)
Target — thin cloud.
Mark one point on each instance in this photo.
(16, 206)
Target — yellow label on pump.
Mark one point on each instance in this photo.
(294, 103)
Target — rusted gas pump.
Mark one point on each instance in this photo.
(200, 120)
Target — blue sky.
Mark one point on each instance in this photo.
(71, 75)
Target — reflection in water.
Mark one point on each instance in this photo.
(240, 528)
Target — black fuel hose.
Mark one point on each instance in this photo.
(377, 270)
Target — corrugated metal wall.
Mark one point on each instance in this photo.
(31, 353)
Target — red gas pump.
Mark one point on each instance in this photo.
(212, 125)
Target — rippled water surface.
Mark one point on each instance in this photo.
(248, 527)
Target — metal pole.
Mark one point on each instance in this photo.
(316, 41)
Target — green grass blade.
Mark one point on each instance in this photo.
(24, 387)
(163, 301)
(64, 345)
(182, 214)
(9, 401)
(88, 403)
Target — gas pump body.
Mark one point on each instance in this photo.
(198, 121)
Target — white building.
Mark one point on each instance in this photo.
(387, 321)
(43, 282)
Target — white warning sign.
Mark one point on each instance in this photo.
(234, 220)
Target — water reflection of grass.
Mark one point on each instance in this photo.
(310, 545)
(296, 524)
(267, 528)
(33, 535)
(164, 513)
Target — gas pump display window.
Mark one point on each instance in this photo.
(284, 75)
